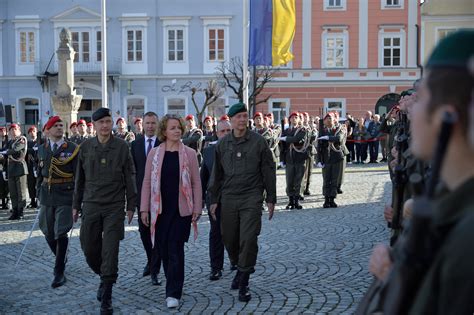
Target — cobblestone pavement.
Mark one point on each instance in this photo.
(310, 261)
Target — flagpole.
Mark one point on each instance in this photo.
(104, 54)
(245, 78)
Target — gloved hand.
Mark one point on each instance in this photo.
(323, 138)
(283, 138)
(320, 165)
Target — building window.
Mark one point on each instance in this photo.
(335, 105)
(135, 108)
(176, 106)
(392, 51)
(134, 45)
(392, 4)
(334, 4)
(81, 45)
(27, 47)
(216, 45)
(99, 46)
(175, 44)
(279, 108)
(335, 55)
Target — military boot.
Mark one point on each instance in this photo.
(53, 246)
(297, 203)
(291, 204)
(4, 203)
(106, 300)
(100, 291)
(332, 203)
(244, 294)
(59, 278)
(14, 215)
(326, 204)
(236, 281)
(20, 213)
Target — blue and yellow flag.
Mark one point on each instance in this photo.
(272, 28)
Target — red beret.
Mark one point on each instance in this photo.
(189, 117)
(269, 115)
(257, 114)
(31, 129)
(224, 117)
(81, 122)
(137, 120)
(330, 114)
(73, 124)
(51, 122)
(13, 126)
(89, 124)
(208, 118)
(119, 119)
(294, 114)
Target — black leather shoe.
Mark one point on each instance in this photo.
(233, 267)
(339, 191)
(154, 279)
(236, 281)
(146, 270)
(326, 203)
(215, 275)
(244, 294)
(297, 203)
(332, 203)
(106, 300)
(100, 291)
(59, 280)
(291, 203)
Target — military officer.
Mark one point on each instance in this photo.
(104, 184)
(242, 173)
(208, 132)
(345, 151)
(17, 170)
(261, 129)
(90, 130)
(138, 124)
(56, 167)
(296, 143)
(3, 169)
(312, 134)
(31, 162)
(82, 129)
(193, 135)
(74, 132)
(122, 132)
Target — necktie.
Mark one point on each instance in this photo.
(148, 148)
(55, 147)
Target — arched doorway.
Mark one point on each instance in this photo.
(386, 102)
(28, 113)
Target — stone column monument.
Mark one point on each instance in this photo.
(65, 101)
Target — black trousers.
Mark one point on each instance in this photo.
(172, 254)
(351, 156)
(374, 150)
(153, 254)
(31, 181)
(216, 246)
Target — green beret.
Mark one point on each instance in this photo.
(101, 113)
(454, 50)
(236, 108)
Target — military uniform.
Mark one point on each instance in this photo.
(332, 156)
(105, 175)
(342, 172)
(31, 161)
(3, 176)
(78, 139)
(209, 136)
(276, 142)
(56, 167)
(127, 136)
(193, 139)
(297, 142)
(312, 134)
(17, 172)
(243, 171)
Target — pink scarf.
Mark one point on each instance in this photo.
(185, 186)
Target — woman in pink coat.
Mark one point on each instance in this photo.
(172, 199)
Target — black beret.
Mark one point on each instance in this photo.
(236, 108)
(101, 113)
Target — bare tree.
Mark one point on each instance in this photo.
(232, 73)
(212, 93)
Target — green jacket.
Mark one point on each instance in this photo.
(56, 188)
(16, 157)
(105, 175)
(448, 287)
(243, 167)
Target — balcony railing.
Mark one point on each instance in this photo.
(80, 68)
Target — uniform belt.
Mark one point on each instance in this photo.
(57, 180)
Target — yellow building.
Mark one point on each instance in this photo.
(441, 17)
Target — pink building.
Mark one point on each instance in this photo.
(348, 54)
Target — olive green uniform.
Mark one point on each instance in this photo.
(105, 181)
(242, 172)
(342, 171)
(308, 166)
(332, 155)
(17, 172)
(295, 158)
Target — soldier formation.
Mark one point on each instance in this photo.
(170, 168)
